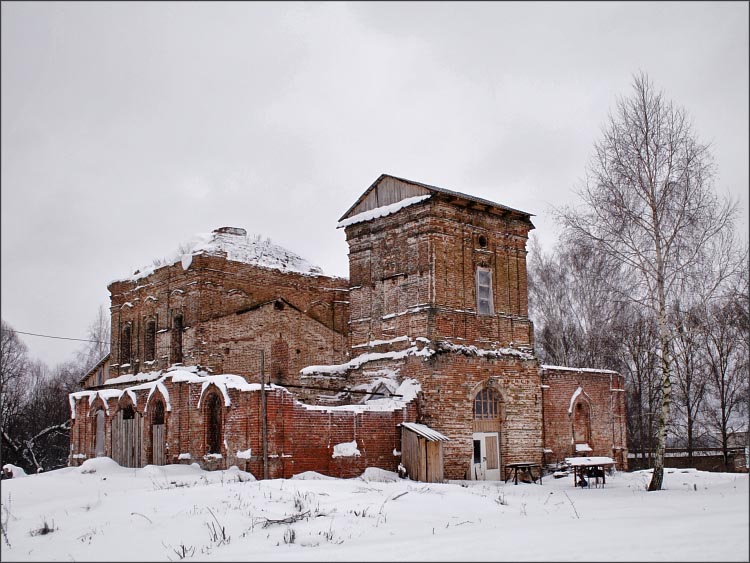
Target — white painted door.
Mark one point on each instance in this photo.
(485, 463)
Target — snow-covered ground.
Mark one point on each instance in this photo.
(103, 512)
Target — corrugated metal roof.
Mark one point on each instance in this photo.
(437, 190)
(425, 432)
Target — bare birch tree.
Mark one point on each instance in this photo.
(648, 203)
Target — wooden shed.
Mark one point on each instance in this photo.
(422, 452)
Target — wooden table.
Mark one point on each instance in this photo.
(512, 468)
(591, 467)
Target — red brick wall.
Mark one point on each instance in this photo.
(603, 393)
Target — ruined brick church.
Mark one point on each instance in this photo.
(243, 353)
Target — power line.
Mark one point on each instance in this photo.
(62, 337)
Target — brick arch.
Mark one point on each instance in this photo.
(97, 404)
(98, 441)
(581, 414)
(212, 417)
(319, 310)
(490, 383)
(126, 401)
(157, 395)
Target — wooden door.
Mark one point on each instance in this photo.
(126, 438)
(157, 443)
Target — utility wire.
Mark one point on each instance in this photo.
(62, 337)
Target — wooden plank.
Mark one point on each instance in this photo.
(435, 462)
(387, 192)
(490, 443)
(486, 425)
(158, 445)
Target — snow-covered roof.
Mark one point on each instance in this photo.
(237, 246)
(382, 211)
(426, 432)
(422, 188)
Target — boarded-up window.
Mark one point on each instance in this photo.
(125, 344)
(213, 424)
(177, 339)
(486, 404)
(150, 343)
(484, 291)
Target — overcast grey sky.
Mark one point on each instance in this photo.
(129, 127)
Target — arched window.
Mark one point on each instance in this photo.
(128, 413)
(125, 344)
(486, 405)
(177, 339)
(158, 416)
(150, 341)
(213, 424)
(582, 423)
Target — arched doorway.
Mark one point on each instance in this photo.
(582, 424)
(127, 430)
(485, 463)
(99, 437)
(158, 454)
(212, 419)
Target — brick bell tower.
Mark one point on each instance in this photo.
(429, 262)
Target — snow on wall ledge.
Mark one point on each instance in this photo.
(407, 390)
(425, 350)
(382, 211)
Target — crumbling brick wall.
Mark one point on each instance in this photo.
(208, 295)
(602, 393)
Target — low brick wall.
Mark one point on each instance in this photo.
(704, 460)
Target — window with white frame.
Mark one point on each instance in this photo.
(484, 291)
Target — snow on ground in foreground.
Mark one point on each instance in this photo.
(101, 511)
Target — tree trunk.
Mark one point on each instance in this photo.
(666, 383)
